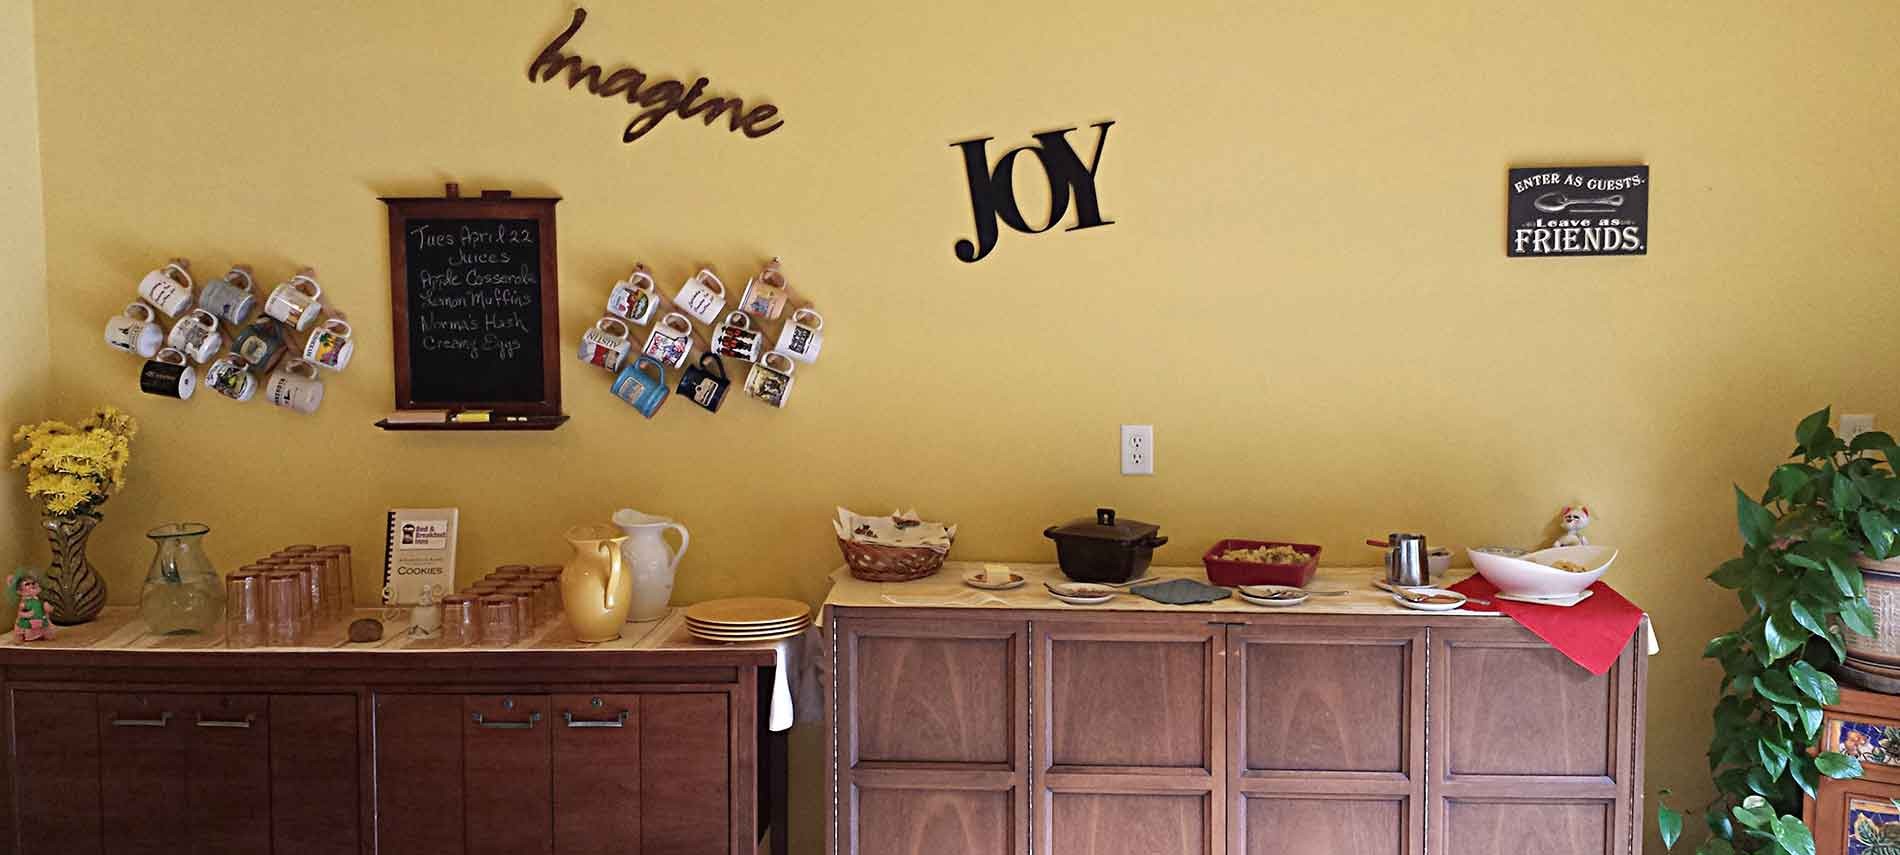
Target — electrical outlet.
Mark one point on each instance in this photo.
(1138, 449)
(1854, 425)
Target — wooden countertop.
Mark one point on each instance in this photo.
(119, 631)
(946, 589)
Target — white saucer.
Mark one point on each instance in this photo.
(975, 580)
(1083, 601)
(1432, 607)
(1563, 602)
(1271, 602)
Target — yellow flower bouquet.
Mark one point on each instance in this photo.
(73, 470)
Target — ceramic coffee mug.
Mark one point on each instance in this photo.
(169, 375)
(642, 384)
(801, 339)
(261, 343)
(766, 294)
(736, 338)
(703, 297)
(231, 297)
(606, 344)
(771, 379)
(196, 335)
(295, 387)
(136, 330)
(231, 377)
(671, 338)
(164, 291)
(705, 384)
(329, 345)
(635, 297)
(296, 302)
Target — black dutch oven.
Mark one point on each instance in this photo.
(1104, 549)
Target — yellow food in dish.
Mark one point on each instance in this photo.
(1265, 555)
(1568, 566)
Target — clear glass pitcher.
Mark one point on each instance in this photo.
(183, 592)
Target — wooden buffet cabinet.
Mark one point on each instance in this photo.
(1030, 726)
(655, 748)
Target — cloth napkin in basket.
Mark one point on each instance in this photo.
(1591, 633)
(901, 528)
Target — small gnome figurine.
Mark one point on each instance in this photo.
(1574, 518)
(32, 624)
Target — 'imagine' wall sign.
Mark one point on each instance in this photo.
(1578, 210)
(993, 191)
(661, 97)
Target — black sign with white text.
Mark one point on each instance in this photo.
(1578, 210)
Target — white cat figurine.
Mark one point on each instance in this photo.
(1574, 518)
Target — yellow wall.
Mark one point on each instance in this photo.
(1304, 290)
(23, 354)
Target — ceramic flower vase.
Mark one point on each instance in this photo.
(74, 592)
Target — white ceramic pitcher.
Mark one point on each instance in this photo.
(650, 561)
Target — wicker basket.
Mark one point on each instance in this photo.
(874, 562)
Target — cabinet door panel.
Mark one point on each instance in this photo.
(934, 822)
(314, 775)
(1288, 825)
(933, 699)
(685, 762)
(1155, 688)
(227, 775)
(1557, 714)
(418, 773)
(1128, 824)
(1339, 706)
(597, 803)
(56, 770)
(1511, 828)
(142, 773)
(507, 791)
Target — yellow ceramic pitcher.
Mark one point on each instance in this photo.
(595, 592)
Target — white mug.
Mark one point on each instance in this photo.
(196, 335)
(225, 297)
(295, 387)
(736, 338)
(231, 377)
(606, 343)
(296, 302)
(801, 338)
(635, 297)
(330, 346)
(164, 291)
(771, 380)
(671, 338)
(136, 330)
(766, 294)
(703, 297)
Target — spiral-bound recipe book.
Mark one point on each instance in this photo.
(418, 551)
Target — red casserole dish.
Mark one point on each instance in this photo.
(1232, 573)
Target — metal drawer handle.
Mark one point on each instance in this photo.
(507, 725)
(163, 719)
(619, 720)
(212, 722)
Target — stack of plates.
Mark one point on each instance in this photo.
(747, 619)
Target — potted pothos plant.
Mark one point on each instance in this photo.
(1799, 585)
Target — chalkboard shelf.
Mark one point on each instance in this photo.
(530, 423)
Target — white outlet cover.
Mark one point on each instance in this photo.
(1138, 450)
(1855, 424)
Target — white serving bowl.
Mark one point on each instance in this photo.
(1531, 575)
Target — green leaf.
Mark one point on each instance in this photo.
(1847, 579)
(1872, 440)
(1754, 812)
(1793, 835)
(1774, 756)
(1814, 684)
(1837, 765)
(1803, 771)
(1669, 823)
(1784, 713)
(1879, 531)
(1719, 824)
(1810, 428)
(1806, 618)
(1843, 495)
(1811, 720)
(1859, 618)
(1787, 481)
(1781, 640)
(1715, 846)
(1757, 524)
(1776, 687)
(1732, 574)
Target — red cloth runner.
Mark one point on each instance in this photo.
(1592, 633)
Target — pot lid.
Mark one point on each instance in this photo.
(1105, 526)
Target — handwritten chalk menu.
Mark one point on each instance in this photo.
(1578, 210)
(475, 310)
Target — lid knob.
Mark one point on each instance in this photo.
(1104, 516)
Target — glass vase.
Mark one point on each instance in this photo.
(73, 591)
(183, 593)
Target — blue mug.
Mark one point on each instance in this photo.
(645, 391)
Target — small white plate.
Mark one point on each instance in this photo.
(975, 580)
(1432, 607)
(1562, 602)
(1082, 601)
(1258, 595)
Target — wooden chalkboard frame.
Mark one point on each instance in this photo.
(496, 204)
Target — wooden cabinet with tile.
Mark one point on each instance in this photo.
(1855, 816)
(1079, 732)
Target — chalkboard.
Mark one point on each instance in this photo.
(474, 304)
